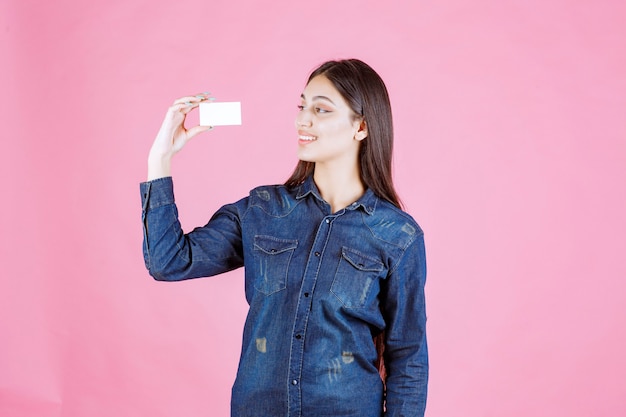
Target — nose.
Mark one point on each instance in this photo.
(303, 119)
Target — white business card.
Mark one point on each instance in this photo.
(220, 114)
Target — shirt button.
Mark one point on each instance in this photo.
(306, 294)
(298, 336)
(317, 254)
(327, 221)
(294, 382)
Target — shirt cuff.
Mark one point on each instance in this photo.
(157, 193)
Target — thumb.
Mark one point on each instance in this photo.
(197, 130)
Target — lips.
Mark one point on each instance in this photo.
(306, 136)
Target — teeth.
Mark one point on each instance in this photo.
(307, 137)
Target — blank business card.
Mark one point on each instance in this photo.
(220, 114)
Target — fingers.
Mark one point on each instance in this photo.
(187, 103)
(193, 99)
(173, 130)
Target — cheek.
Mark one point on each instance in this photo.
(341, 127)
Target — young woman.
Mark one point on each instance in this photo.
(334, 269)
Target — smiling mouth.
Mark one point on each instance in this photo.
(307, 138)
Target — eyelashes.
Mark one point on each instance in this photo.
(316, 109)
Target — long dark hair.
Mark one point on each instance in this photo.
(366, 94)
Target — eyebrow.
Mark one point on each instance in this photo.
(318, 98)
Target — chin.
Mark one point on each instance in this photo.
(305, 158)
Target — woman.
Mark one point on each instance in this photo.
(331, 261)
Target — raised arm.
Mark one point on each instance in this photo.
(169, 253)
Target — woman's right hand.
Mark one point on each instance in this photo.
(173, 135)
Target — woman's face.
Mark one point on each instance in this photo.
(327, 129)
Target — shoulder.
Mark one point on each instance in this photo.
(273, 199)
(388, 222)
(268, 192)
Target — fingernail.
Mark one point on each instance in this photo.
(211, 98)
(206, 93)
(188, 103)
(199, 96)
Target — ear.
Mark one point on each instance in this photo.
(361, 133)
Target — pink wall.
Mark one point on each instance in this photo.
(511, 153)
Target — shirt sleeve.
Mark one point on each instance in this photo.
(172, 255)
(406, 351)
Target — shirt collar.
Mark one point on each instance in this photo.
(367, 202)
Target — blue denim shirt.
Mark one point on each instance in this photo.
(320, 285)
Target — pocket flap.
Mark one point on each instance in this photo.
(360, 261)
(273, 245)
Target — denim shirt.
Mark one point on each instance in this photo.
(320, 286)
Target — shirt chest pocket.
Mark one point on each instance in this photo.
(271, 262)
(356, 275)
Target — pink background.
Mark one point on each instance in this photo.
(511, 153)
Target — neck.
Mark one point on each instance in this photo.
(340, 187)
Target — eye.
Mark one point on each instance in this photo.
(300, 107)
(321, 110)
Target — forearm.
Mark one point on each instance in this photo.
(159, 166)
(162, 233)
(407, 384)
